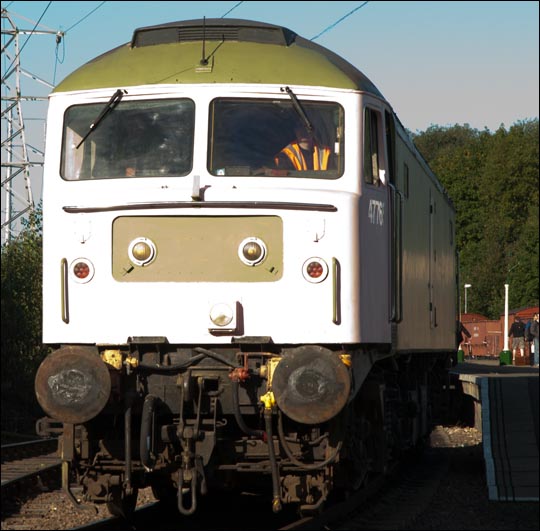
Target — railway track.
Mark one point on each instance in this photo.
(391, 503)
(27, 470)
(26, 460)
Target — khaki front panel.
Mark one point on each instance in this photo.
(197, 248)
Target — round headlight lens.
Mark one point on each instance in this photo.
(252, 251)
(142, 251)
(221, 314)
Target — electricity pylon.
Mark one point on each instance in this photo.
(17, 198)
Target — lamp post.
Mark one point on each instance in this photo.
(505, 357)
(466, 286)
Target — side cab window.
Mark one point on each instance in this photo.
(374, 159)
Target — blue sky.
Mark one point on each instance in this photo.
(436, 62)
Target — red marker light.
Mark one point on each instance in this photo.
(314, 269)
(81, 270)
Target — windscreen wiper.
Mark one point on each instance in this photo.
(299, 109)
(111, 104)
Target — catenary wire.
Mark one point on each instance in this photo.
(86, 16)
(26, 41)
(338, 21)
(232, 8)
(60, 40)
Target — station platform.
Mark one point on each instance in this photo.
(506, 400)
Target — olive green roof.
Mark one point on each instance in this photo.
(236, 51)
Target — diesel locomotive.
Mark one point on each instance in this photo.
(219, 320)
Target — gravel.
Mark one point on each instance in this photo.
(54, 510)
(460, 501)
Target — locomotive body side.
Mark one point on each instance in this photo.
(205, 301)
(428, 256)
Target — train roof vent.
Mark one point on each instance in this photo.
(212, 30)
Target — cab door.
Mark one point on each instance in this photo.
(375, 219)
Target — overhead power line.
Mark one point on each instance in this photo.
(337, 22)
(28, 38)
(60, 40)
(232, 8)
(85, 17)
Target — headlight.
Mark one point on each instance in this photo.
(252, 251)
(142, 251)
(223, 317)
(221, 314)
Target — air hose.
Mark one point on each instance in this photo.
(293, 459)
(238, 416)
(276, 496)
(147, 431)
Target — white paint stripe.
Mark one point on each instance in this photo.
(493, 491)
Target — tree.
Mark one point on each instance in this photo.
(492, 178)
(510, 221)
(22, 349)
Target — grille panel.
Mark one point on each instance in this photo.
(212, 30)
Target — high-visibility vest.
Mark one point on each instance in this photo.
(294, 152)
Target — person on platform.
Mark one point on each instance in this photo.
(534, 334)
(517, 331)
(461, 331)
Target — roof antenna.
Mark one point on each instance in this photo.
(204, 60)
